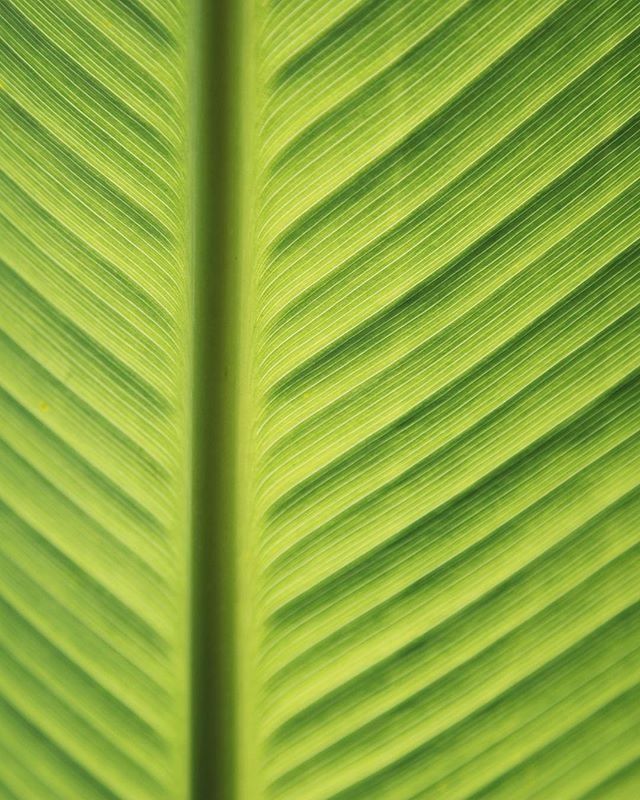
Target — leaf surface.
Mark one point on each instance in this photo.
(432, 238)
(445, 395)
(94, 401)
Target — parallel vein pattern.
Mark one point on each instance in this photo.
(446, 376)
(94, 344)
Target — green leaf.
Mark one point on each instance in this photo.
(319, 399)
(445, 394)
(95, 314)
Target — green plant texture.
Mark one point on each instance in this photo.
(319, 400)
